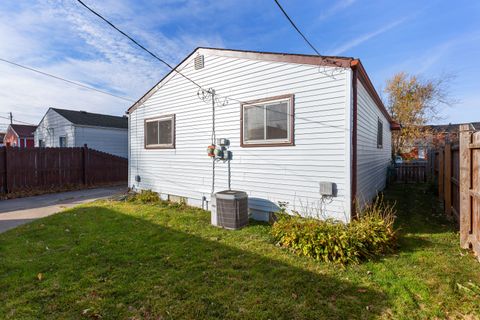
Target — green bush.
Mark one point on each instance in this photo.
(145, 196)
(371, 235)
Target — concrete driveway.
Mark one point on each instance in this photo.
(15, 212)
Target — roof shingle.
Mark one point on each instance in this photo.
(23, 131)
(93, 119)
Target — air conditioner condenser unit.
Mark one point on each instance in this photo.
(230, 209)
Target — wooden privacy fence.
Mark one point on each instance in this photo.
(469, 174)
(43, 169)
(411, 172)
(447, 171)
(457, 168)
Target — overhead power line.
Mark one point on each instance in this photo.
(65, 80)
(302, 35)
(15, 120)
(177, 71)
(137, 43)
(296, 28)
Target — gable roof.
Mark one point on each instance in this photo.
(332, 61)
(22, 130)
(93, 119)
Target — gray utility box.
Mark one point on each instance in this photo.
(231, 209)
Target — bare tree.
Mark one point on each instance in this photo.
(414, 102)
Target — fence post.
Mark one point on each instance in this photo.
(6, 172)
(448, 176)
(465, 184)
(441, 167)
(85, 163)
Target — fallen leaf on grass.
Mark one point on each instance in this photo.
(40, 276)
(473, 290)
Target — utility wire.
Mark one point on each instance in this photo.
(177, 71)
(30, 124)
(296, 28)
(301, 33)
(62, 79)
(137, 43)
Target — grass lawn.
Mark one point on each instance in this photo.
(115, 260)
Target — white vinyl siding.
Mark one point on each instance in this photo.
(372, 160)
(51, 128)
(267, 174)
(109, 140)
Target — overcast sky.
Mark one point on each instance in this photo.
(429, 38)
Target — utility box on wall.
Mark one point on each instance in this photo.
(328, 189)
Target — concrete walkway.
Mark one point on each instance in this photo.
(19, 211)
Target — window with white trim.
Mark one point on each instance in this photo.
(160, 132)
(268, 122)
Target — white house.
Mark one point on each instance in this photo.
(294, 122)
(69, 128)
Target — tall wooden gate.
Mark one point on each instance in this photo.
(469, 189)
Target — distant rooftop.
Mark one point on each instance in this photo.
(93, 119)
(452, 127)
(23, 131)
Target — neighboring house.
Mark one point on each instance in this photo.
(19, 135)
(440, 134)
(2, 136)
(304, 120)
(433, 137)
(69, 128)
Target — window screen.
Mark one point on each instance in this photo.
(165, 132)
(159, 133)
(269, 121)
(254, 123)
(380, 134)
(277, 121)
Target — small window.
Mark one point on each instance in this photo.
(41, 143)
(379, 134)
(62, 141)
(267, 122)
(160, 132)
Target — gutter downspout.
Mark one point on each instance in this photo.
(353, 211)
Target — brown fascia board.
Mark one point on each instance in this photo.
(331, 61)
(342, 62)
(367, 83)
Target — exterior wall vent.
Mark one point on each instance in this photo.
(177, 199)
(199, 62)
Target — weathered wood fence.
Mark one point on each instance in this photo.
(447, 171)
(469, 173)
(44, 169)
(411, 172)
(457, 169)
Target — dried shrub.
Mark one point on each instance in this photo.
(369, 236)
(144, 196)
